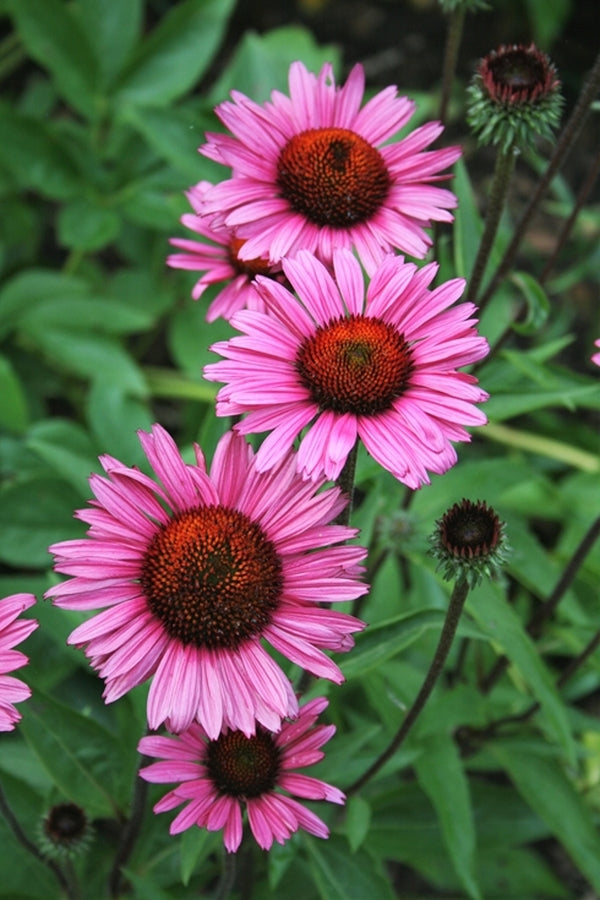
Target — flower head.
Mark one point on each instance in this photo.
(219, 260)
(196, 571)
(65, 831)
(12, 632)
(314, 171)
(596, 356)
(381, 367)
(220, 776)
(469, 542)
(514, 96)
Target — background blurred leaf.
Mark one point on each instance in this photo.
(176, 54)
(54, 38)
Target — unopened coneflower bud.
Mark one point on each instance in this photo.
(469, 542)
(65, 831)
(514, 97)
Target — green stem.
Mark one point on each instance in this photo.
(453, 39)
(536, 443)
(227, 880)
(345, 481)
(455, 608)
(5, 808)
(505, 163)
(567, 139)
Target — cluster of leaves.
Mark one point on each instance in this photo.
(105, 111)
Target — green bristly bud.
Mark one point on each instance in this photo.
(469, 542)
(64, 832)
(514, 98)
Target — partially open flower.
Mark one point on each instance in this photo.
(469, 542)
(65, 831)
(514, 97)
(216, 256)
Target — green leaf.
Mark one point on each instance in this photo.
(341, 876)
(89, 356)
(386, 639)
(538, 304)
(261, 62)
(35, 157)
(28, 289)
(66, 447)
(13, 404)
(468, 227)
(541, 781)
(441, 775)
(195, 845)
(114, 418)
(84, 225)
(176, 54)
(33, 514)
(54, 38)
(488, 606)
(84, 760)
(176, 135)
(88, 313)
(358, 819)
(112, 30)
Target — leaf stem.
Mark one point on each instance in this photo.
(455, 608)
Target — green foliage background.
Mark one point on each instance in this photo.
(104, 109)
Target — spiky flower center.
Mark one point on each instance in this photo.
(469, 530)
(355, 365)
(65, 824)
(249, 267)
(332, 176)
(518, 74)
(212, 577)
(241, 766)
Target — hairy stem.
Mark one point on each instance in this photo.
(453, 39)
(455, 608)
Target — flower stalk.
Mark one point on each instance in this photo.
(455, 608)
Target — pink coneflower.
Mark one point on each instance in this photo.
(219, 260)
(382, 368)
(12, 632)
(196, 571)
(314, 171)
(220, 776)
(596, 356)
